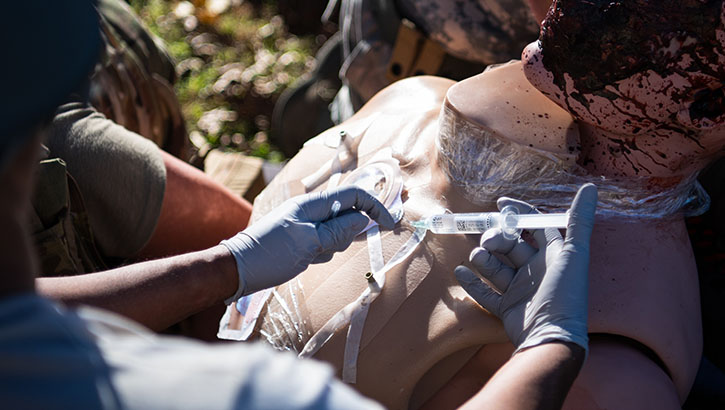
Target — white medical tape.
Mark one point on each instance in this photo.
(345, 152)
(354, 335)
(337, 322)
(375, 250)
(316, 178)
(336, 166)
(357, 321)
(342, 318)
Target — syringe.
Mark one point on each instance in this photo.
(508, 220)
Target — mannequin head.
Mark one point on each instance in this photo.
(637, 68)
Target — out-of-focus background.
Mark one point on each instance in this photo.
(234, 58)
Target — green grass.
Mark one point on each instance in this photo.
(238, 61)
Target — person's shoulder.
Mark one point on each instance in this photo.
(79, 125)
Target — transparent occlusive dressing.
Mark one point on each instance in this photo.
(282, 312)
(487, 167)
(284, 322)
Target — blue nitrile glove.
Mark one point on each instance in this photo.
(303, 230)
(544, 297)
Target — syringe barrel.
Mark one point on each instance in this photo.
(507, 220)
(478, 222)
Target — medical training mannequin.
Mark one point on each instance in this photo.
(646, 119)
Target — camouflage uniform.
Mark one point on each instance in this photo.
(132, 83)
(488, 31)
(113, 209)
(120, 175)
(382, 41)
(59, 224)
(471, 34)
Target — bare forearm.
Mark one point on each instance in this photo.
(535, 378)
(156, 293)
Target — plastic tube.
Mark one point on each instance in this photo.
(508, 220)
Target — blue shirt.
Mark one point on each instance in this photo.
(51, 358)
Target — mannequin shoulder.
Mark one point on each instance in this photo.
(413, 93)
(501, 100)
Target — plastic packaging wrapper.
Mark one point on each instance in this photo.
(487, 167)
(284, 324)
(283, 317)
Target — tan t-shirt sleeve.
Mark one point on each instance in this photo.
(121, 176)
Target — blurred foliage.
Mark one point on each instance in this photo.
(233, 58)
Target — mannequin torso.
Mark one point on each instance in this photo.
(423, 327)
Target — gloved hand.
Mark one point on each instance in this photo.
(303, 230)
(545, 297)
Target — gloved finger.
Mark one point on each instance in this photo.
(543, 237)
(521, 206)
(338, 233)
(478, 290)
(491, 268)
(548, 238)
(516, 250)
(494, 241)
(349, 197)
(581, 217)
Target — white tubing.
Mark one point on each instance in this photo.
(357, 321)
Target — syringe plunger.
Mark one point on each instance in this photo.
(508, 220)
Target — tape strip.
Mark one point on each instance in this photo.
(345, 151)
(336, 166)
(375, 250)
(357, 321)
(332, 167)
(352, 344)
